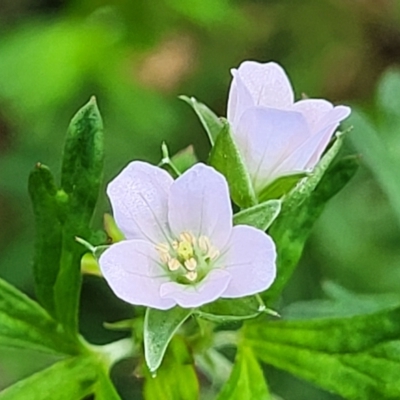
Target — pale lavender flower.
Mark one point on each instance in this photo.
(181, 247)
(276, 135)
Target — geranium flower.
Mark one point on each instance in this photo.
(277, 136)
(181, 247)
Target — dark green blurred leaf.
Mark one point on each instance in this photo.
(225, 157)
(280, 186)
(247, 380)
(24, 324)
(176, 378)
(224, 310)
(260, 216)
(293, 225)
(377, 155)
(159, 328)
(72, 378)
(185, 159)
(357, 358)
(43, 193)
(82, 170)
(211, 123)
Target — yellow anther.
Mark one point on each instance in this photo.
(186, 237)
(165, 257)
(204, 243)
(162, 247)
(191, 275)
(213, 253)
(190, 264)
(173, 264)
(185, 250)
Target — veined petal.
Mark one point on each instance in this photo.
(266, 136)
(313, 110)
(250, 259)
(239, 99)
(131, 269)
(206, 291)
(336, 115)
(268, 84)
(139, 198)
(199, 203)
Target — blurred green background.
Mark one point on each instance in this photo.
(137, 56)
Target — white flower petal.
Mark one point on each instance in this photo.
(267, 136)
(313, 110)
(250, 259)
(199, 203)
(206, 291)
(268, 84)
(239, 99)
(139, 198)
(131, 269)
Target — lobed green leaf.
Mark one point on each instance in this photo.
(24, 324)
(356, 357)
(72, 378)
(247, 380)
(176, 379)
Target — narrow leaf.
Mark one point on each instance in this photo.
(176, 378)
(104, 389)
(72, 378)
(247, 380)
(24, 324)
(225, 157)
(211, 123)
(294, 224)
(80, 179)
(280, 186)
(356, 357)
(43, 193)
(159, 328)
(260, 216)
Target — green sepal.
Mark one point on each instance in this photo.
(48, 241)
(260, 216)
(225, 157)
(280, 187)
(159, 328)
(299, 213)
(246, 381)
(355, 357)
(226, 310)
(211, 123)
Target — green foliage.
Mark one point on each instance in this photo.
(72, 378)
(24, 324)
(300, 210)
(224, 310)
(159, 328)
(280, 186)
(247, 380)
(185, 159)
(176, 379)
(211, 123)
(104, 389)
(225, 157)
(356, 357)
(260, 216)
(43, 192)
(378, 141)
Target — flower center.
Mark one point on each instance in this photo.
(188, 259)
